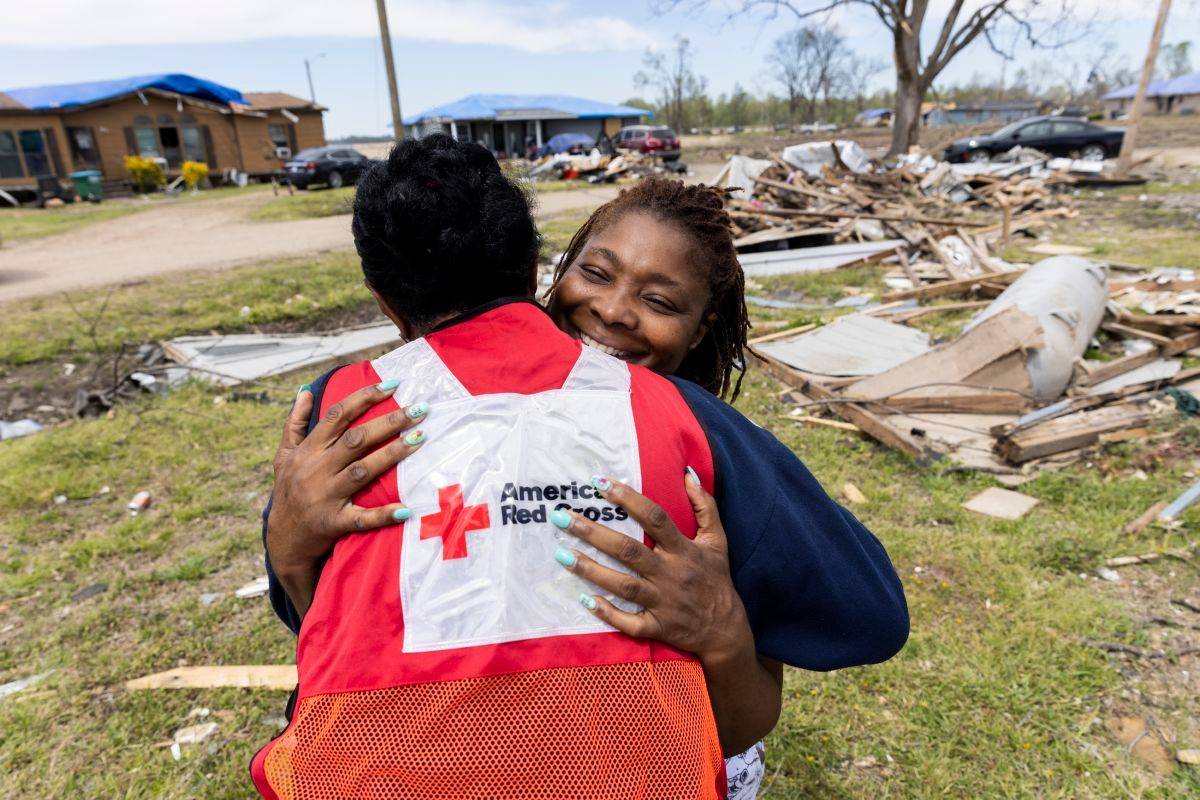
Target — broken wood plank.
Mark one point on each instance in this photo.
(946, 288)
(1071, 432)
(1137, 333)
(783, 334)
(245, 676)
(797, 212)
(983, 403)
(1141, 523)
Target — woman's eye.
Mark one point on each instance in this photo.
(593, 274)
(661, 303)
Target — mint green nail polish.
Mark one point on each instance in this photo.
(565, 557)
(387, 386)
(418, 410)
(692, 476)
(306, 387)
(560, 519)
(601, 484)
(415, 438)
(588, 602)
(402, 514)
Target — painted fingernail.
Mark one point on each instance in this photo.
(565, 557)
(387, 386)
(418, 410)
(304, 387)
(415, 438)
(692, 476)
(560, 519)
(601, 484)
(402, 514)
(587, 601)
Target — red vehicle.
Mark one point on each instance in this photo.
(649, 140)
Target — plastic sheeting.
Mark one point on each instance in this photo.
(740, 171)
(811, 156)
(76, 94)
(1067, 295)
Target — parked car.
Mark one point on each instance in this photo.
(333, 165)
(573, 143)
(651, 140)
(818, 127)
(1056, 136)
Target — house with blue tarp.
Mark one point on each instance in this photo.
(1175, 96)
(512, 124)
(48, 132)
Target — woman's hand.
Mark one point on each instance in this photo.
(317, 476)
(688, 601)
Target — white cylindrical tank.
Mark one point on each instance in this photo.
(1067, 294)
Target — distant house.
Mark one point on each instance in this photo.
(874, 118)
(54, 130)
(1000, 113)
(1177, 96)
(505, 123)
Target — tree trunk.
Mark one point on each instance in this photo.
(910, 91)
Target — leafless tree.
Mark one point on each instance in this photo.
(856, 75)
(671, 75)
(805, 63)
(1042, 23)
(1174, 60)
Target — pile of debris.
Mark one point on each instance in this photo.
(598, 167)
(1013, 392)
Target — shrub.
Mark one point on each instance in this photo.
(194, 173)
(145, 174)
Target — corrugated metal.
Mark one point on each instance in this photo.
(812, 259)
(857, 344)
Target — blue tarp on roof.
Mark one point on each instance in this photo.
(873, 113)
(486, 106)
(76, 94)
(1184, 84)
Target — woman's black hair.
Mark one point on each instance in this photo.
(440, 229)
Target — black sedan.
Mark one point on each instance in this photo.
(333, 165)
(1056, 136)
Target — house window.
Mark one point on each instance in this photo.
(171, 146)
(193, 143)
(84, 151)
(10, 159)
(33, 146)
(278, 135)
(144, 137)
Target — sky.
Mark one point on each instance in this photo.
(447, 49)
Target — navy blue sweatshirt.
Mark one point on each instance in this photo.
(818, 587)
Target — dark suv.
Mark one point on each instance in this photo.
(649, 140)
(333, 165)
(1055, 136)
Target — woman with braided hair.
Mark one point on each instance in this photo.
(771, 570)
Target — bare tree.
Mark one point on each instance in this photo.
(1174, 60)
(856, 75)
(1041, 22)
(805, 63)
(670, 74)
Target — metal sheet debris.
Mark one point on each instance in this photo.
(740, 172)
(812, 259)
(810, 157)
(857, 344)
(1161, 370)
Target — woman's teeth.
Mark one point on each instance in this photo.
(603, 348)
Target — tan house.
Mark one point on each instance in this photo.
(55, 130)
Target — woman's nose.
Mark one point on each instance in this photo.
(615, 310)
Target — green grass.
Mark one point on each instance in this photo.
(163, 307)
(558, 230)
(306, 204)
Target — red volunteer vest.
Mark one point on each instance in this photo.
(448, 657)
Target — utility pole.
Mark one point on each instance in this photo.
(1139, 99)
(397, 122)
(308, 71)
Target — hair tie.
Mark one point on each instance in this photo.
(431, 183)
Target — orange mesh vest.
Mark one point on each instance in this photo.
(448, 657)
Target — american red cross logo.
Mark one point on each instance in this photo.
(453, 522)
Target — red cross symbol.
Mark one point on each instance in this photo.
(453, 522)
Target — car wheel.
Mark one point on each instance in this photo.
(335, 180)
(1092, 152)
(979, 156)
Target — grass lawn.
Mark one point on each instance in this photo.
(995, 695)
(304, 204)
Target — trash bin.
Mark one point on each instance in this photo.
(87, 184)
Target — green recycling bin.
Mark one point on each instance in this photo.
(87, 184)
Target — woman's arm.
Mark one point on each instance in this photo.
(688, 601)
(319, 467)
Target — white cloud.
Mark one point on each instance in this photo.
(531, 27)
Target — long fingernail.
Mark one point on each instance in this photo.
(418, 410)
(560, 519)
(565, 557)
(588, 602)
(415, 438)
(402, 514)
(601, 484)
(304, 387)
(692, 476)
(387, 386)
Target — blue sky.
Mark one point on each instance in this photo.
(445, 50)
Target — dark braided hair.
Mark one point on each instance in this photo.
(439, 229)
(698, 211)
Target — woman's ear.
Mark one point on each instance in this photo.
(407, 331)
(702, 330)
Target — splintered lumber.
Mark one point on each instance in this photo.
(821, 422)
(947, 288)
(923, 220)
(990, 354)
(1071, 432)
(1141, 523)
(245, 676)
(982, 403)
(867, 422)
(1118, 366)
(1137, 333)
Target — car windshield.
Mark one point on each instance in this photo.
(663, 133)
(1008, 129)
(311, 154)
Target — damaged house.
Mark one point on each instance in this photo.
(51, 131)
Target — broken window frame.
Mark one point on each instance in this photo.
(85, 156)
(33, 157)
(11, 165)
